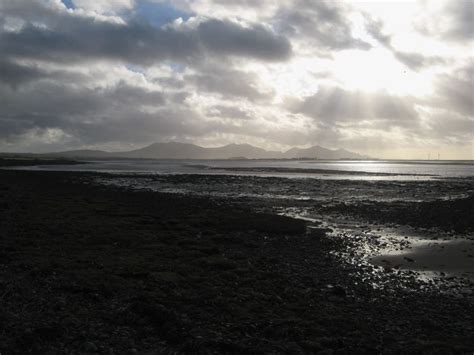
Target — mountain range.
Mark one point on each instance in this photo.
(175, 150)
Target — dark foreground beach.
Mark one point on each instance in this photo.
(88, 268)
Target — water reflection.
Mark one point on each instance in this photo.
(329, 169)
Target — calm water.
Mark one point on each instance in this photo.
(290, 168)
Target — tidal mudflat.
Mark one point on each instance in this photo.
(107, 263)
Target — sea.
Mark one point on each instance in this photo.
(318, 169)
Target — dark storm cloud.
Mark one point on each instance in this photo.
(131, 126)
(15, 74)
(126, 125)
(324, 24)
(228, 83)
(331, 105)
(52, 105)
(87, 116)
(94, 40)
(14, 125)
(256, 41)
(50, 98)
(69, 38)
(35, 99)
(414, 61)
(132, 95)
(26, 10)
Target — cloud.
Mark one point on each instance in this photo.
(320, 24)
(53, 105)
(124, 94)
(14, 74)
(452, 21)
(249, 10)
(124, 72)
(323, 24)
(255, 41)
(447, 126)
(228, 83)
(229, 112)
(334, 105)
(17, 74)
(417, 61)
(414, 61)
(72, 38)
(109, 6)
(455, 90)
(462, 16)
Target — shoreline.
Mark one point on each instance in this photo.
(7, 162)
(221, 167)
(93, 268)
(307, 171)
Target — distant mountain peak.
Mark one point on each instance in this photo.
(179, 150)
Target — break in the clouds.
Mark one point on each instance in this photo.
(377, 77)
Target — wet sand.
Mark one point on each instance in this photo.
(434, 237)
(391, 213)
(90, 268)
(445, 256)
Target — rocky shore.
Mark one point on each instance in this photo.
(87, 268)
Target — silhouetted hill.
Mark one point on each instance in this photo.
(176, 150)
(172, 150)
(320, 153)
(241, 150)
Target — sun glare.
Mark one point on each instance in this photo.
(378, 70)
(355, 70)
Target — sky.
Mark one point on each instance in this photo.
(389, 79)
